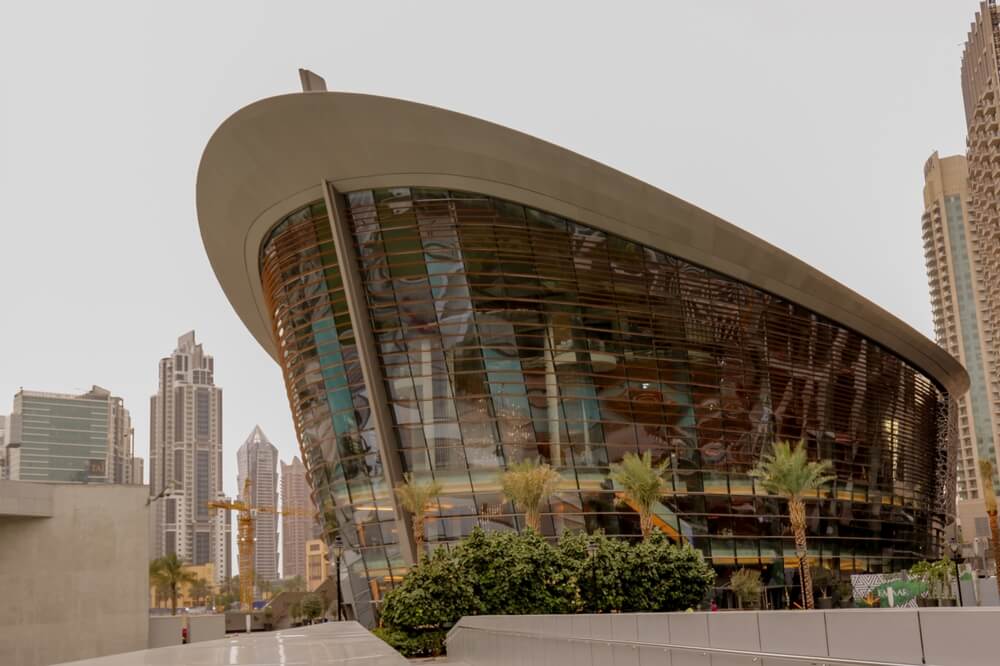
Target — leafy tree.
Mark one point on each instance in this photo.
(642, 485)
(788, 472)
(264, 587)
(416, 498)
(293, 584)
(311, 606)
(746, 584)
(662, 577)
(515, 574)
(433, 595)
(600, 576)
(295, 612)
(990, 499)
(169, 573)
(226, 599)
(527, 484)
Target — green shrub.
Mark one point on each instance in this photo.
(433, 595)
(416, 644)
(502, 573)
(601, 577)
(517, 574)
(663, 577)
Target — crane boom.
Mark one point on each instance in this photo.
(246, 537)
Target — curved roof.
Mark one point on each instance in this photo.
(273, 155)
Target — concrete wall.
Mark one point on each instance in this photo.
(165, 630)
(206, 627)
(75, 585)
(939, 636)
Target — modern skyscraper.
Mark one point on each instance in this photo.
(981, 94)
(257, 461)
(69, 438)
(297, 526)
(958, 300)
(185, 459)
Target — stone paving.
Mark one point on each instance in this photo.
(341, 643)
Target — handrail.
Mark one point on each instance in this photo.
(812, 660)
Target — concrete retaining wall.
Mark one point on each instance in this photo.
(165, 630)
(206, 627)
(933, 636)
(74, 571)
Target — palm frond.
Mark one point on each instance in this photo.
(415, 496)
(639, 478)
(528, 483)
(788, 472)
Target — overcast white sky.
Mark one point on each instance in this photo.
(806, 123)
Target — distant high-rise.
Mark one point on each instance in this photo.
(70, 438)
(257, 460)
(296, 526)
(138, 470)
(185, 459)
(4, 460)
(981, 94)
(952, 251)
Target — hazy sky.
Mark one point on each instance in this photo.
(805, 123)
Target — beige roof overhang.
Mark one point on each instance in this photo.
(273, 155)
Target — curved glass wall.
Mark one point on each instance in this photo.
(507, 333)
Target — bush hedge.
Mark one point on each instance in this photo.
(502, 573)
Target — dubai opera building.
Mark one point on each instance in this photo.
(446, 296)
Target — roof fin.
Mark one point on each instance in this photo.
(311, 81)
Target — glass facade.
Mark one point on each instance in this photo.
(505, 333)
(979, 396)
(63, 438)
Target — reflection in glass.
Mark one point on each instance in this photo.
(505, 333)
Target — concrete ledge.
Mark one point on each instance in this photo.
(939, 636)
(23, 499)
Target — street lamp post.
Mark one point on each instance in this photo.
(338, 552)
(592, 552)
(956, 556)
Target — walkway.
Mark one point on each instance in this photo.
(341, 643)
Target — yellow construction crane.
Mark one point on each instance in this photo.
(245, 539)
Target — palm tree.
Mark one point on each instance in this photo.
(169, 573)
(527, 484)
(642, 486)
(788, 472)
(199, 591)
(417, 498)
(162, 591)
(990, 499)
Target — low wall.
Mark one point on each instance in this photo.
(165, 630)
(206, 627)
(932, 636)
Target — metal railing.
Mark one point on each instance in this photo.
(755, 656)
